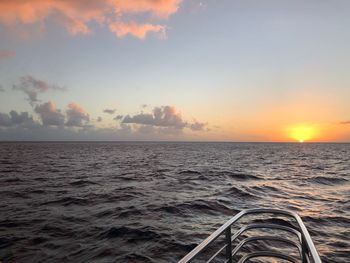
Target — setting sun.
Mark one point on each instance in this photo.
(302, 133)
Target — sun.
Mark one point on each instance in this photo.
(302, 133)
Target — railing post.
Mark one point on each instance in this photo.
(228, 245)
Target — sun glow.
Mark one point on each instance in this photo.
(302, 133)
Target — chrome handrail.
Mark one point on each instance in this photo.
(308, 251)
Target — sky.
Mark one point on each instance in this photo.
(187, 70)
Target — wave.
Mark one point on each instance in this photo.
(38, 240)
(7, 241)
(12, 180)
(328, 220)
(241, 176)
(178, 245)
(189, 172)
(82, 183)
(131, 234)
(130, 213)
(10, 223)
(16, 194)
(37, 191)
(66, 201)
(239, 192)
(58, 230)
(135, 257)
(328, 180)
(277, 221)
(195, 207)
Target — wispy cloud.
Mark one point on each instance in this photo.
(118, 117)
(344, 122)
(6, 54)
(197, 126)
(109, 111)
(32, 86)
(120, 16)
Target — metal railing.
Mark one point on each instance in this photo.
(305, 247)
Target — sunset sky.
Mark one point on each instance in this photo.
(228, 70)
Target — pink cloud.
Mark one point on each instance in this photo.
(76, 16)
(158, 8)
(76, 107)
(136, 30)
(6, 54)
(49, 115)
(76, 115)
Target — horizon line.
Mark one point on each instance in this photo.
(170, 141)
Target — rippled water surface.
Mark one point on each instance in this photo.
(152, 202)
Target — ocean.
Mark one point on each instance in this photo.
(154, 201)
